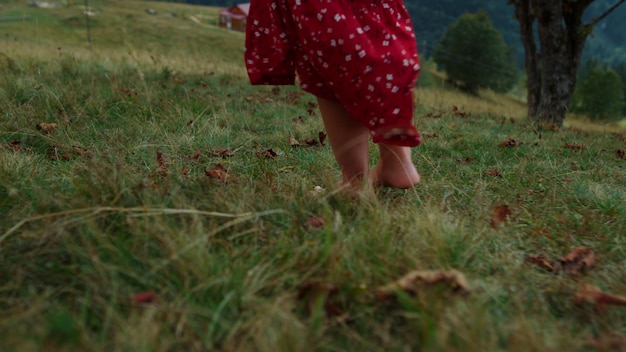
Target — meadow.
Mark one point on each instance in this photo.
(152, 200)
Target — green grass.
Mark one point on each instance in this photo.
(89, 219)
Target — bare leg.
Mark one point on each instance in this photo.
(349, 141)
(395, 167)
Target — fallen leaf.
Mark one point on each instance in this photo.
(15, 145)
(218, 172)
(589, 294)
(416, 280)
(459, 113)
(268, 154)
(509, 143)
(500, 214)
(293, 141)
(131, 93)
(56, 154)
(314, 222)
(46, 127)
(567, 179)
(311, 142)
(316, 293)
(162, 169)
(431, 135)
(464, 161)
(578, 261)
(196, 155)
(572, 146)
(544, 262)
(493, 172)
(620, 153)
(322, 137)
(144, 298)
(276, 90)
(82, 151)
(223, 153)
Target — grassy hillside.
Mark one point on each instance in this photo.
(152, 200)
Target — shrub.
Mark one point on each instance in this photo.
(599, 93)
(473, 52)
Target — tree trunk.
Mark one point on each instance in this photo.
(552, 71)
(556, 80)
(526, 21)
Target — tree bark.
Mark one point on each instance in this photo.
(551, 72)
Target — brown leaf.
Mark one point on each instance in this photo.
(464, 161)
(268, 154)
(578, 261)
(544, 262)
(311, 142)
(293, 141)
(223, 153)
(509, 143)
(162, 169)
(322, 137)
(56, 154)
(218, 172)
(142, 298)
(131, 93)
(15, 145)
(572, 146)
(315, 222)
(567, 179)
(82, 151)
(316, 293)
(416, 280)
(500, 214)
(46, 127)
(459, 113)
(434, 115)
(589, 294)
(493, 172)
(620, 154)
(431, 135)
(196, 155)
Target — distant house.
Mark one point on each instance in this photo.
(235, 17)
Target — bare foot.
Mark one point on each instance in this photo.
(395, 168)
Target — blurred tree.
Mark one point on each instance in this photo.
(600, 93)
(473, 53)
(620, 69)
(551, 69)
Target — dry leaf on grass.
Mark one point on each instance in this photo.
(578, 261)
(314, 222)
(493, 172)
(417, 280)
(459, 113)
(218, 172)
(268, 154)
(15, 145)
(162, 169)
(82, 151)
(322, 137)
(46, 127)
(142, 298)
(500, 214)
(620, 154)
(589, 294)
(293, 141)
(509, 143)
(223, 153)
(572, 146)
(316, 293)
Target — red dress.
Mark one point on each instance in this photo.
(360, 53)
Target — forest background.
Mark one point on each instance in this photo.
(432, 17)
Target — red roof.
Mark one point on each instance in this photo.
(244, 8)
